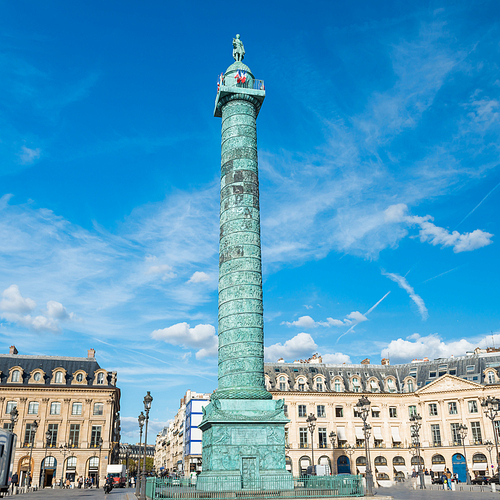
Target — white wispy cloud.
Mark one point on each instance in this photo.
(201, 337)
(16, 309)
(28, 155)
(308, 321)
(199, 277)
(433, 346)
(403, 283)
(300, 346)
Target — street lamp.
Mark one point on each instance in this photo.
(126, 449)
(64, 449)
(492, 409)
(489, 446)
(415, 426)
(13, 417)
(462, 430)
(332, 437)
(48, 436)
(99, 442)
(33, 429)
(311, 423)
(148, 399)
(349, 451)
(141, 420)
(363, 407)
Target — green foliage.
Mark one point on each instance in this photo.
(132, 465)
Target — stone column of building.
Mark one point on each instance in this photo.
(243, 427)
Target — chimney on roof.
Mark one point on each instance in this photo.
(365, 361)
(12, 349)
(385, 361)
(91, 353)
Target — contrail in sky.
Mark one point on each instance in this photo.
(442, 274)
(474, 209)
(366, 313)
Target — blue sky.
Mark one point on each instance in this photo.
(379, 175)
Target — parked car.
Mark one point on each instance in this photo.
(480, 479)
(493, 479)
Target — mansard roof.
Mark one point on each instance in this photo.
(470, 367)
(49, 363)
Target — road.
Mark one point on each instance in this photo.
(89, 494)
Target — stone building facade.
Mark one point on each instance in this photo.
(444, 392)
(178, 446)
(73, 399)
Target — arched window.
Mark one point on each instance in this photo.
(415, 460)
(319, 384)
(398, 461)
(71, 463)
(479, 458)
(380, 461)
(355, 385)
(438, 459)
(100, 378)
(49, 462)
(361, 461)
(282, 384)
(302, 385)
(79, 377)
(391, 385)
(58, 378)
(491, 378)
(37, 376)
(94, 462)
(338, 386)
(16, 376)
(374, 386)
(410, 385)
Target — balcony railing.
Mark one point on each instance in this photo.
(250, 83)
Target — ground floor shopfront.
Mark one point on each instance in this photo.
(392, 464)
(53, 465)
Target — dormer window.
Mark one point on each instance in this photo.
(58, 378)
(37, 376)
(79, 377)
(391, 385)
(16, 375)
(410, 386)
(100, 378)
(338, 386)
(355, 385)
(282, 384)
(319, 385)
(491, 378)
(301, 385)
(374, 386)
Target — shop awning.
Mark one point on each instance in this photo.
(377, 433)
(438, 467)
(383, 468)
(361, 468)
(341, 434)
(359, 433)
(401, 468)
(385, 483)
(395, 434)
(480, 466)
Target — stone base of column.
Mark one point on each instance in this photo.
(244, 446)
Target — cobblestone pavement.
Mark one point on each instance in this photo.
(405, 492)
(89, 494)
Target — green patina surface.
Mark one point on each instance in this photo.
(243, 427)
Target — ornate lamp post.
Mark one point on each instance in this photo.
(13, 417)
(64, 449)
(99, 442)
(33, 429)
(148, 399)
(141, 420)
(349, 451)
(332, 437)
(48, 436)
(462, 429)
(363, 406)
(489, 446)
(311, 423)
(491, 407)
(126, 449)
(415, 426)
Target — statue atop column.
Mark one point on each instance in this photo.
(238, 49)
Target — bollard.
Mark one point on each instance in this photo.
(493, 487)
(453, 486)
